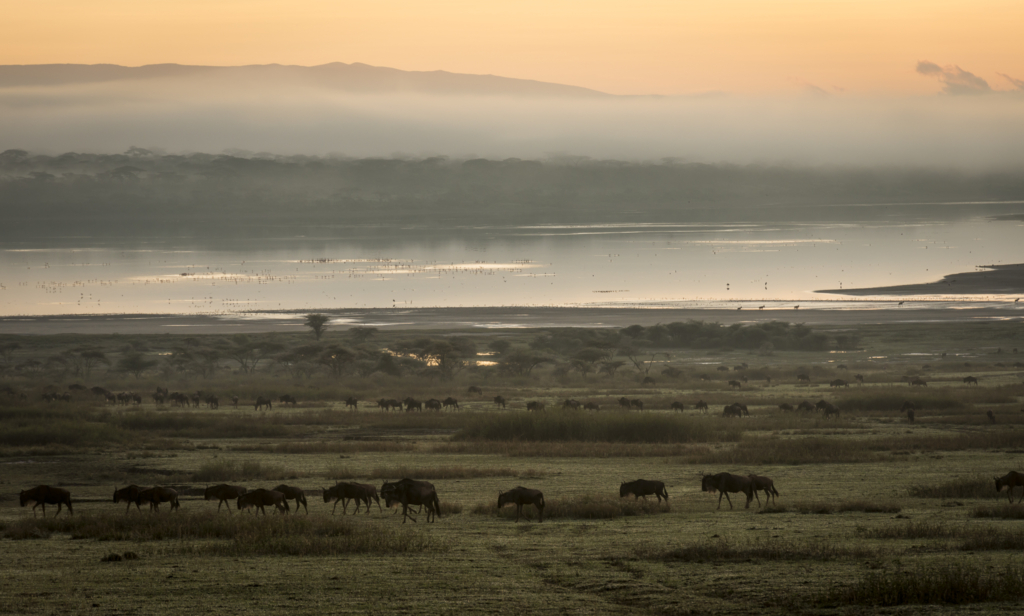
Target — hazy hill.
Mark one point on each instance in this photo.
(351, 78)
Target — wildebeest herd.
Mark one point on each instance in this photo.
(409, 492)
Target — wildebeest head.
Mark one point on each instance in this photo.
(504, 498)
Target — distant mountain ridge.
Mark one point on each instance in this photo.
(355, 78)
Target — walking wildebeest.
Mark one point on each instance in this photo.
(838, 383)
(624, 402)
(223, 493)
(637, 403)
(433, 404)
(344, 492)
(643, 487)
(805, 407)
(287, 399)
(351, 403)
(450, 402)
(411, 492)
(677, 406)
(159, 494)
(1011, 480)
(803, 378)
(295, 494)
(45, 495)
(701, 406)
(263, 402)
(735, 410)
(991, 416)
(859, 378)
(499, 401)
(766, 484)
(260, 498)
(970, 380)
(735, 384)
(786, 407)
(723, 483)
(412, 403)
(829, 409)
(520, 496)
(473, 389)
(128, 494)
(535, 406)
(591, 406)
(918, 381)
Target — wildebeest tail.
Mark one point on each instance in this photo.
(774, 491)
(664, 493)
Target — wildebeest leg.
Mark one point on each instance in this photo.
(335, 506)
(726, 495)
(405, 512)
(750, 496)
(758, 498)
(519, 509)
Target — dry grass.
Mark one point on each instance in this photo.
(723, 550)
(579, 508)
(563, 426)
(963, 487)
(333, 447)
(951, 583)
(1002, 512)
(846, 506)
(226, 470)
(431, 472)
(571, 449)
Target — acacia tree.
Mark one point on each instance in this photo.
(521, 362)
(448, 357)
(641, 364)
(317, 323)
(135, 364)
(249, 353)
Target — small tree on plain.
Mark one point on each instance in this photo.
(317, 323)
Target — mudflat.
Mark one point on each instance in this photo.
(991, 280)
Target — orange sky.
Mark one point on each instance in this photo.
(623, 47)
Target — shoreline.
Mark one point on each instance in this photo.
(483, 318)
(989, 280)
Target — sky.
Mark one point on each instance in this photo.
(668, 47)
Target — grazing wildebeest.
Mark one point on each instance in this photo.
(970, 380)
(735, 410)
(803, 378)
(842, 367)
(786, 407)
(910, 416)
(128, 494)
(735, 384)
(918, 381)
(520, 496)
(499, 401)
(829, 409)
(223, 493)
(838, 383)
(287, 399)
(45, 495)
(723, 483)
(722, 368)
(260, 498)
(159, 494)
(701, 406)
(433, 404)
(534, 406)
(351, 403)
(411, 492)
(637, 403)
(591, 406)
(571, 404)
(295, 494)
(677, 406)
(450, 402)
(473, 389)
(643, 487)
(991, 416)
(263, 402)
(344, 492)
(411, 404)
(382, 404)
(624, 402)
(766, 484)
(909, 406)
(805, 407)
(859, 378)
(1011, 480)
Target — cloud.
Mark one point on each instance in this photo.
(1018, 83)
(955, 80)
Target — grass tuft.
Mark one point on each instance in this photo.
(952, 583)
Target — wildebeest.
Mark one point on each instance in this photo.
(287, 399)
(909, 406)
(1010, 481)
(571, 404)
(970, 380)
(534, 406)
(918, 381)
(735, 410)
(723, 483)
(624, 402)
(829, 409)
(351, 403)
(838, 383)
(45, 495)
(591, 406)
(499, 401)
(520, 496)
(263, 402)
(159, 494)
(722, 368)
(803, 378)
(805, 407)
(766, 484)
(859, 378)
(412, 403)
(648, 381)
(735, 384)
(910, 416)
(786, 407)
(473, 389)
(411, 492)
(643, 487)
(637, 403)
(223, 493)
(433, 404)
(991, 416)
(128, 494)
(677, 406)
(344, 492)
(701, 406)
(260, 498)
(295, 494)
(450, 402)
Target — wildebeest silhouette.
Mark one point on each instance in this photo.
(344, 492)
(701, 406)
(677, 406)
(412, 492)
(499, 401)
(295, 494)
(287, 399)
(534, 406)
(520, 496)
(591, 406)
(638, 403)
(159, 494)
(128, 494)
(970, 380)
(648, 380)
(473, 389)
(991, 416)
(859, 378)
(643, 487)
(432, 405)
(918, 381)
(838, 383)
(766, 484)
(1010, 481)
(263, 402)
(722, 368)
(412, 403)
(735, 410)
(805, 407)
(723, 483)
(260, 498)
(571, 404)
(223, 493)
(624, 402)
(351, 403)
(786, 407)
(46, 495)
(450, 402)
(735, 384)
(803, 378)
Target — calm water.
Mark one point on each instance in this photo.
(585, 265)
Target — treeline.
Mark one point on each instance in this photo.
(218, 194)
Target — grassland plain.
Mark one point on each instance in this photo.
(875, 513)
